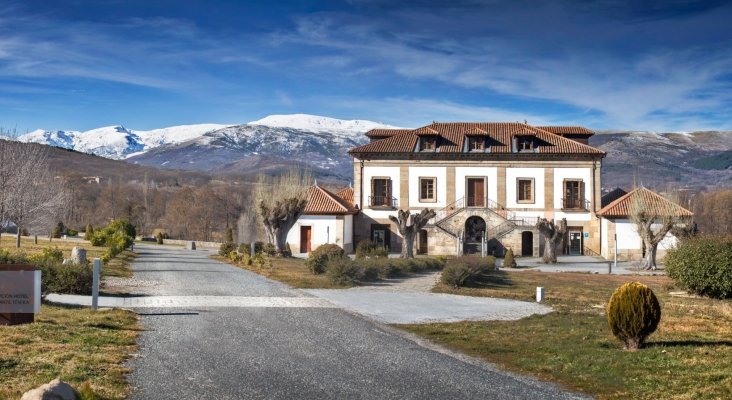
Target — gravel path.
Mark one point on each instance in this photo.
(289, 352)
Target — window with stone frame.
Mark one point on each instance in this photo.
(525, 190)
(380, 192)
(574, 197)
(427, 191)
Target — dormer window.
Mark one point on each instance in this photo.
(525, 144)
(476, 143)
(428, 143)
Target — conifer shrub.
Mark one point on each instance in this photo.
(89, 232)
(159, 238)
(633, 313)
(318, 258)
(508, 259)
(226, 248)
(229, 235)
(703, 266)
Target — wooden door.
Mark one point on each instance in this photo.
(575, 242)
(305, 238)
(476, 192)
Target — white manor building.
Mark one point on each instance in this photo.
(488, 182)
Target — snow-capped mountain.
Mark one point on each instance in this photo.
(117, 142)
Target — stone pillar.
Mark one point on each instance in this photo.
(78, 255)
(548, 193)
(403, 187)
(450, 185)
(501, 195)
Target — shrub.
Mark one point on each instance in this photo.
(72, 232)
(117, 236)
(269, 249)
(159, 238)
(47, 255)
(288, 251)
(318, 258)
(68, 279)
(702, 266)
(258, 247)
(244, 248)
(89, 232)
(229, 235)
(58, 230)
(367, 249)
(343, 271)
(465, 270)
(226, 248)
(508, 260)
(633, 314)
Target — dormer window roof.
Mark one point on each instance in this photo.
(428, 142)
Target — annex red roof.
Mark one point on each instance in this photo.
(654, 203)
(346, 194)
(323, 202)
(567, 130)
(453, 135)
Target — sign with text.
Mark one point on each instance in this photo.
(20, 291)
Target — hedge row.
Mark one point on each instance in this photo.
(463, 271)
(703, 266)
(55, 277)
(343, 270)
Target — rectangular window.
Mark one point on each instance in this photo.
(427, 189)
(476, 143)
(428, 143)
(525, 190)
(573, 194)
(380, 192)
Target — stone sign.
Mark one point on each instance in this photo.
(20, 293)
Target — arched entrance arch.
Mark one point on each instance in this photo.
(473, 235)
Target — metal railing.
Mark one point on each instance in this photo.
(573, 203)
(383, 201)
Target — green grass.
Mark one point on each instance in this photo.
(75, 344)
(689, 356)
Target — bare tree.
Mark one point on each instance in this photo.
(280, 201)
(554, 238)
(32, 198)
(408, 225)
(654, 217)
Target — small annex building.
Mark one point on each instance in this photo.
(616, 224)
(328, 218)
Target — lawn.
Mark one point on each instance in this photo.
(75, 344)
(118, 266)
(291, 271)
(689, 356)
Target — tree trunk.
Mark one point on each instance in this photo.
(550, 251)
(408, 226)
(554, 235)
(408, 246)
(649, 260)
(281, 245)
(17, 237)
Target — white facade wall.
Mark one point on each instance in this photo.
(490, 173)
(348, 229)
(440, 175)
(628, 238)
(323, 230)
(605, 242)
(537, 174)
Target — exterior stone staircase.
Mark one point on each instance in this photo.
(443, 217)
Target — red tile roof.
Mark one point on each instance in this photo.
(379, 132)
(567, 130)
(346, 194)
(654, 202)
(452, 136)
(323, 202)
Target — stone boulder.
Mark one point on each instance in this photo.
(54, 390)
(191, 246)
(78, 255)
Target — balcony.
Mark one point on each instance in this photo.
(575, 204)
(388, 202)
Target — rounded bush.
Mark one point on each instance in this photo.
(508, 260)
(343, 271)
(633, 314)
(226, 248)
(318, 258)
(702, 266)
(269, 249)
(455, 274)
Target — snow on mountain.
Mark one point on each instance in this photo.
(314, 123)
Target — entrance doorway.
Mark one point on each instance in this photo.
(575, 242)
(380, 235)
(527, 244)
(422, 242)
(306, 234)
(476, 192)
(473, 235)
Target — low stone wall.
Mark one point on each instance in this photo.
(199, 245)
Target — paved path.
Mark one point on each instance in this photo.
(315, 352)
(586, 264)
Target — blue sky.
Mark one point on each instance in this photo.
(606, 64)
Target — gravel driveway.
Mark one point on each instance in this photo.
(288, 352)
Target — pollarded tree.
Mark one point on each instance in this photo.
(280, 201)
(408, 225)
(655, 216)
(554, 238)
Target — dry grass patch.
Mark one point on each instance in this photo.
(118, 266)
(689, 356)
(291, 271)
(76, 344)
